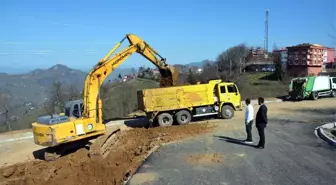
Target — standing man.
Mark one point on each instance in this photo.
(249, 112)
(261, 122)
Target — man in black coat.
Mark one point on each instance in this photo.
(261, 122)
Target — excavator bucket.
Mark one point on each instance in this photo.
(103, 145)
(169, 76)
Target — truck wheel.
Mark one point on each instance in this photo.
(183, 117)
(227, 112)
(165, 119)
(333, 94)
(314, 96)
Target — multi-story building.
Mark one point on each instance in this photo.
(328, 55)
(305, 59)
(284, 55)
(257, 51)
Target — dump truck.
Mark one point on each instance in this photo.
(180, 104)
(312, 87)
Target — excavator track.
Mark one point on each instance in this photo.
(53, 153)
(103, 145)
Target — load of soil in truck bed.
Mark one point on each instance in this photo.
(78, 168)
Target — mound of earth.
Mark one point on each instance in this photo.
(78, 168)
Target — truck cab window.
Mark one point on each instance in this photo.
(222, 89)
(231, 89)
(334, 80)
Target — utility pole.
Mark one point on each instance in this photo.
(266, 35)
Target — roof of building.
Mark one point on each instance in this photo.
(308, 45)
(279, 50)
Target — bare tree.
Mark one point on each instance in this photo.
(133, 71)
(57, 98)
(210, 71)
(73, 92)
(232, 60)
(333, 32)
(275, 46)
(192, 78)
(5, 107)
(279, 73)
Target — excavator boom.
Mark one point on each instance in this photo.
(169, 74)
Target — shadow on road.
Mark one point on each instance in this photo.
(234, 141)
(137, 123)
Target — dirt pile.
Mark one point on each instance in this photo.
(78, 168)
(205, 159)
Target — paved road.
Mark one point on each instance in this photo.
(293, 155)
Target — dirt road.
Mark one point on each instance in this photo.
(78, 168)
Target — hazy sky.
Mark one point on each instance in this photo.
(39, 34)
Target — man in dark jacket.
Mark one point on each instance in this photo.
(261, 122)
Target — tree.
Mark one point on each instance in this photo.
(119, 76)
(275, 46)
(57, 98)
(210, 71)
(279, 73)
(333, 32)
(73, 92)
(191, 77)
(233, 59)
(5, 107)
(133, 71)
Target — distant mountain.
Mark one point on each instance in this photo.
(33, 86)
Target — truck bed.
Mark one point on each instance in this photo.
(173, 98)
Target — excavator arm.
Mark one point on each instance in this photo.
(106, 66)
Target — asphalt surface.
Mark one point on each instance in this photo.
(293, 155)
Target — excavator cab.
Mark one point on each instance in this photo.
(74, 108)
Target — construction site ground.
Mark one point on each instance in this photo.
(212, 154)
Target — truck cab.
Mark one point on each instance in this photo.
(228, 92)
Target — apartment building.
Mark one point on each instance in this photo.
(328, 55)
(284, 55)
(305, 59)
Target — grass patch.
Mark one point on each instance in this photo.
(120, 100)
(25, 121)
(254, 85)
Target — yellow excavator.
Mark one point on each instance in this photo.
(82, 119)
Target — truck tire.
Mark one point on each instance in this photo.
(314, 96)
(333, 93)
(227, 112)
(183, 117)
(165, 120)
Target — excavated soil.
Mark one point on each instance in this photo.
(78, 168)
(205, 159)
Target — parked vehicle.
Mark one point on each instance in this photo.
(182, 103)
(312, 87)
